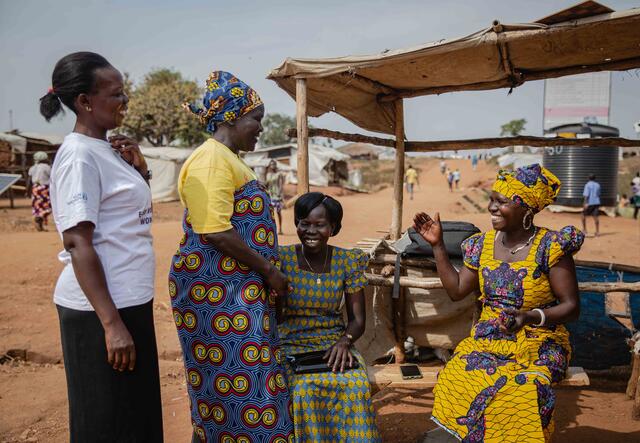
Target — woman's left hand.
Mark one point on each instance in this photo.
(511, 320)
(130, 152)
(340, 355)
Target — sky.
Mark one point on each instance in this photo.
(250, 38)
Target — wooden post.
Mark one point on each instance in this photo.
(398, 305)
(398, 177)
(303, 136)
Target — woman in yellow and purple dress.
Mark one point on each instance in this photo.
(333, 406)
(221, 278)
(497, 386)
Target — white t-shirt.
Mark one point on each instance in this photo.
(91, 182)
(40, 173)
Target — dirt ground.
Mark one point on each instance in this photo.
(33, 405)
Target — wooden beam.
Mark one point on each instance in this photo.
(477, 143)
(435, 283)
(337, 135)
(501, 142)
(303, 138)
(398, 176)
(405, 282)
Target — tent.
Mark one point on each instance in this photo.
(364, 151)
(327, 166)
(165, 164)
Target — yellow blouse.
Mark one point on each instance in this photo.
(208, 180)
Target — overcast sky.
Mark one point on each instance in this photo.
(250, 38)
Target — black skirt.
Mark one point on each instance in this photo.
(106, 405)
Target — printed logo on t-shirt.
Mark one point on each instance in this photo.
(146, 216)
(80, 196)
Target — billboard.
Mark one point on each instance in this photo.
(577, 98)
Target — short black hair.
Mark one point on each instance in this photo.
(311, 200)
(592, 176)
(74, 74)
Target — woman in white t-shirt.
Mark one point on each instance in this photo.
(102, 208)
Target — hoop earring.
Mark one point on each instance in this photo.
(88, 108)
(527, 225)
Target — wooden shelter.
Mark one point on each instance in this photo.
(369, 90)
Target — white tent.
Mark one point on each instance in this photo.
(321, 160)
(165, 164)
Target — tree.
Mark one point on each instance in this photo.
(513, 128)
(155, 109)
(275, 129)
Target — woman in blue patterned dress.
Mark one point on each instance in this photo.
(223, 279)
(333, 406)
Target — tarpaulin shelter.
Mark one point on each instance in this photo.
(326, 166)
(369, 90)
(165, 162)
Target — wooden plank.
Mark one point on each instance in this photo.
(411, 282)
(390, 376)
(435, 283)
(478, 143)
(398, 176)
(303, 136)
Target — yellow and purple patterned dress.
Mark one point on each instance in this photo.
(497, 386)
(327, 407)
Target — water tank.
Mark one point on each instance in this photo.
(573, 165)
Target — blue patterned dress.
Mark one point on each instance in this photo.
(327, 407)
(226, 325)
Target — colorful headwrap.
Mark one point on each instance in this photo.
(226, 99)
(533, 186)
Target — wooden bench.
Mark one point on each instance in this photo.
(384, 376)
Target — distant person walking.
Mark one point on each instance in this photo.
(38, 181)
(474, 161)
(456, 178)
(443, 167)
(411, 179)
(591, 196)
(636, 199)
(449, 177)
(636, 180)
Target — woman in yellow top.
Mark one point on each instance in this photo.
(221, 276)
(497, 386)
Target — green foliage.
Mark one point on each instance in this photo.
(513, 128)
(275, 129)
(155, 109)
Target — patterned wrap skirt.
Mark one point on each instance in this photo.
(40, 201)
(227, 329)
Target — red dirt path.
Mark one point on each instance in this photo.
(33, 395)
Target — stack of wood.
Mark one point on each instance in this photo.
(5, 155)
(633, 388)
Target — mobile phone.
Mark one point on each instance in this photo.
(410, 371)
